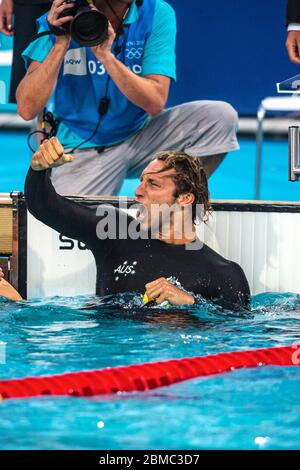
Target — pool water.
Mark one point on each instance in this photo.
(234, 179)
(245, 409)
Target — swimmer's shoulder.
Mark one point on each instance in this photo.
(210, 255)
(215, 260)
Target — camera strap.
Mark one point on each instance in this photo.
(56, 30)
(39, 35)
(49, 118)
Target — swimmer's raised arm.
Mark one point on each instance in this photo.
(50, 154)
(58, 212)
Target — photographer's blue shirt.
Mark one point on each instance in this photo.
(148, 47)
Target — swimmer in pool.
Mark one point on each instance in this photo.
(7, 290)
(170, 265)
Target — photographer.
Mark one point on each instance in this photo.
(127, 78)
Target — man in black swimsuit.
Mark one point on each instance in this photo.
(172, 265)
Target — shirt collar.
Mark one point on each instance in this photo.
(133, 14)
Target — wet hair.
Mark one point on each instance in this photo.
(189, 177)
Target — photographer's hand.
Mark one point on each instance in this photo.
(103, 51)
(58, 7)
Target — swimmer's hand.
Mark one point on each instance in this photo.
(50, 154)
(162, 290)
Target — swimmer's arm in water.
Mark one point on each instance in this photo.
(67, 217)
(161, 290)
(232, 290)
(7, 290)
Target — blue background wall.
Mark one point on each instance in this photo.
(230, 49)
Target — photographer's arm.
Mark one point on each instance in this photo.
(37, 86)
(149, 93)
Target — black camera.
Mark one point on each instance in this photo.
(88, 27)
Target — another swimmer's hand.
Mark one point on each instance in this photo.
(7, 290)
(50, 154)
(161, 290)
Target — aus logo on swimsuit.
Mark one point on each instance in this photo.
(125, 269)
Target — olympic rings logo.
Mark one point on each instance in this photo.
(134, 53)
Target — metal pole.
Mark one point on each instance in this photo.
(259, 137)
(294, 168)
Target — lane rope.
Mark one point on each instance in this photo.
(147, 376)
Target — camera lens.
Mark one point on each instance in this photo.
(89, 28)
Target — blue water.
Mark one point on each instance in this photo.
(245, 409)
(234, 179)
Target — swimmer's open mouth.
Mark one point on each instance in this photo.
(141, 213)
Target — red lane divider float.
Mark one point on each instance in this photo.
(147, 376)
